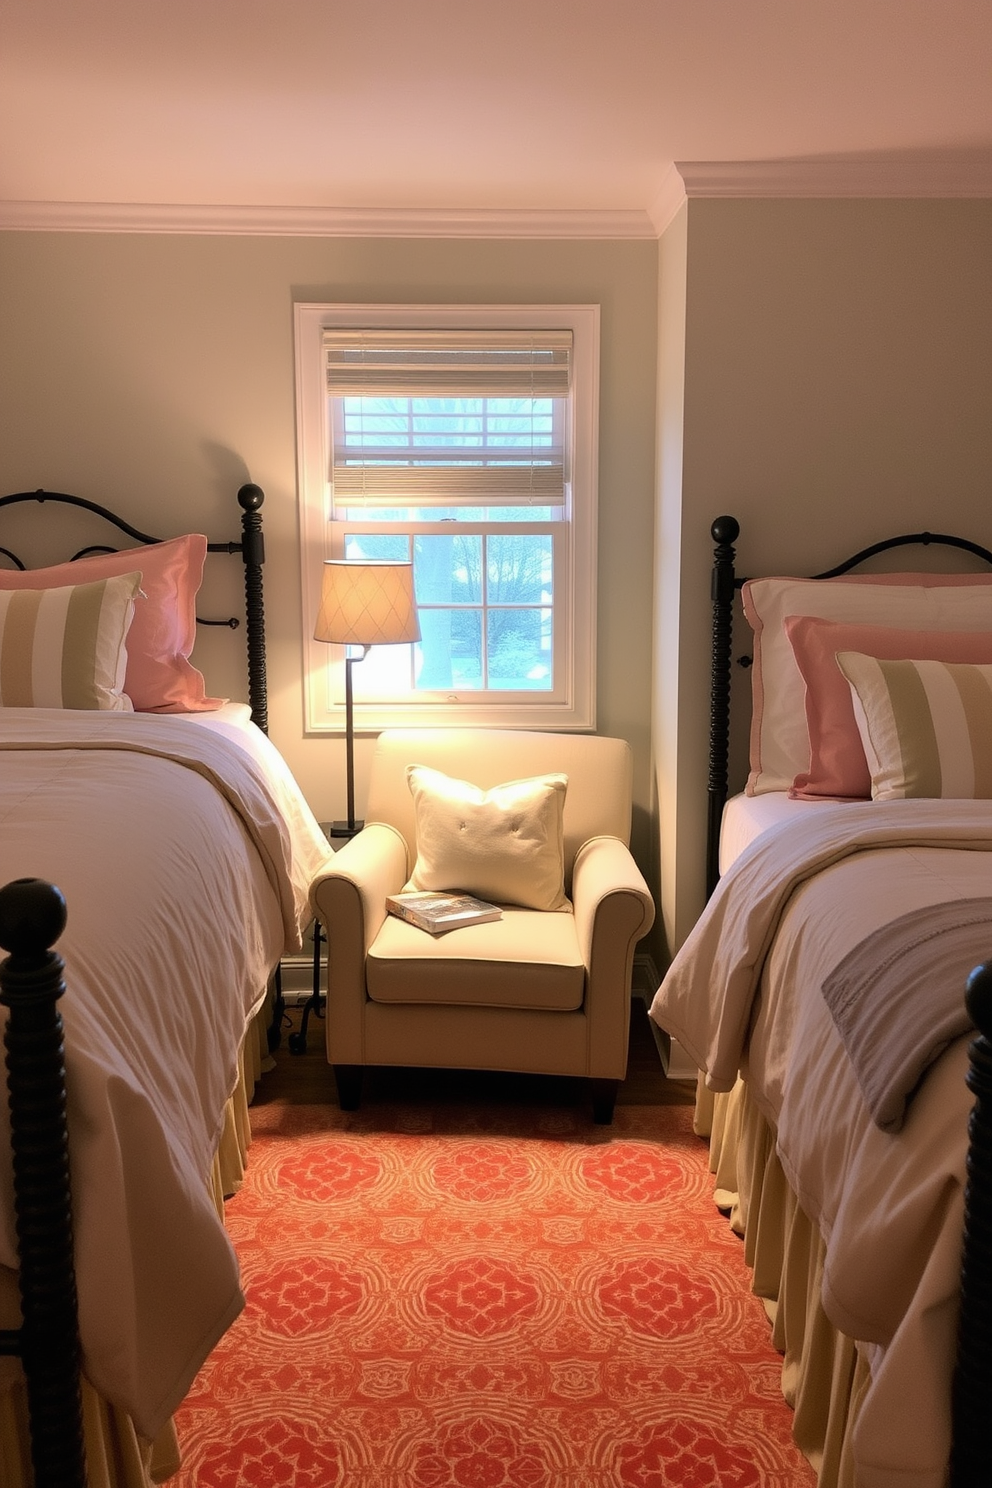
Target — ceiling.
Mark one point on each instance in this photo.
(275, 111)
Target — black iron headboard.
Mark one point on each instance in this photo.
(724, 584)
(251, 547)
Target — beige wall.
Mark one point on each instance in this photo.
(837, 389)
(155, 373)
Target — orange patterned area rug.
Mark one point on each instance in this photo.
(487, 1298)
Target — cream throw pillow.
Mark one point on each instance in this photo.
(505, 844)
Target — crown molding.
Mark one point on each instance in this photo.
(934, 178)
(922, 178)
(332, 222)
(669, 199)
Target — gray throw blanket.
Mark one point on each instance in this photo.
(897, 999)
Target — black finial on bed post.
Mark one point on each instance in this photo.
(32, 917)
(724, 531)
(972, 1389)
(250, 497)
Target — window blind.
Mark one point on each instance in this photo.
(448, 417)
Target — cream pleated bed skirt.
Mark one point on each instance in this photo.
(116, 1456)
(824, 1377)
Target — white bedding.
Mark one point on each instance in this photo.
(744, 994)
(184, 853)
(746, 817)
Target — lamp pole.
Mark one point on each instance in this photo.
(350, 828)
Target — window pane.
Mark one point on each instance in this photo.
(518, 568)
(375, 421)
(450, 651)
(384, 431)
(519, 514)
(448, 569)
(385, 671)
(519, 645)
(377, 546)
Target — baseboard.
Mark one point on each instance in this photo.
(644, 978)
(674, 1060)
(297, 979)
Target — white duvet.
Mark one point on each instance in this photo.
(744, 994)
(184, 854)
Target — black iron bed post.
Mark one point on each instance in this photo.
(32, 917)
(971, 1396)
(725, 531)
(250, 498)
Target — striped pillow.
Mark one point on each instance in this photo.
(926, 726)
(65, 648)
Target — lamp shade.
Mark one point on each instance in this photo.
(367, 604)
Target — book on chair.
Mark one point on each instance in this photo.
(437, 913)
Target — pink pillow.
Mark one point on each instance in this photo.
(837, 766)
(159, 677)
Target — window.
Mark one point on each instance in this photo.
(463, 440)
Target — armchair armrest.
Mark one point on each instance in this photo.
(349, 899)
(605, 866)
(355, 884)
(613, 909)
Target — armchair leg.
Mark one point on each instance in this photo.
(349, 1082)
(604, 1098)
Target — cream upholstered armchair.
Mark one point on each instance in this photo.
(542, 990)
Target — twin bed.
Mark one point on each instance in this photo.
(184, 852)
(822, 993)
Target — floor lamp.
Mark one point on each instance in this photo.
(363, 604)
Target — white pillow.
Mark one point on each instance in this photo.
(926, 726)
(779, 736)
(505, 844)
(64, 648)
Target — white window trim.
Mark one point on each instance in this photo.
(323, 666)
